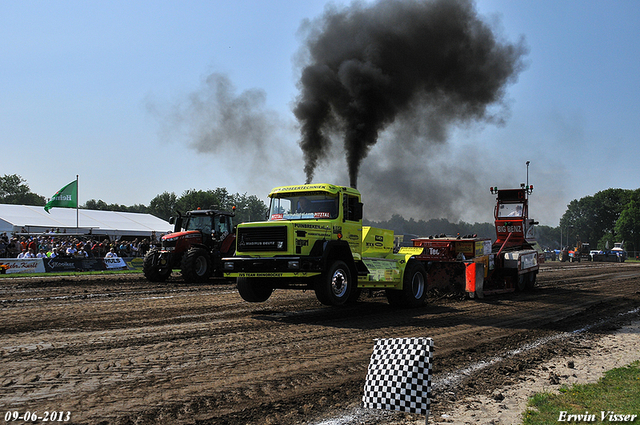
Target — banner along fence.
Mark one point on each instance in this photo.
(61, 264)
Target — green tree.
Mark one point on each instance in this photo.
(164, 205)
(93, 204)
(435, 226)
(100, 205)
(138, 208)
(611, 204)
(204, 199)
(547, 236)
(225, 200)
(14, 190)
(248, 208)
(593, 217)
(628, 225)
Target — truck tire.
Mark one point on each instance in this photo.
(414, 288)
(521, 282)
(151, 270)
(196, 265)
(335, 286)
(253, 290)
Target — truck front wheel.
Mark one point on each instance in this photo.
(335, 286)
(196, 265)
(253, 290)
(414, 288)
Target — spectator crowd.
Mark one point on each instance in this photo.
(51, 245)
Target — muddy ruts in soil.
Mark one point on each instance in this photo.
(122, 350)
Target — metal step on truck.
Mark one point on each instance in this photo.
(314, 239)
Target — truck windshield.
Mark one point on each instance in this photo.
(510, 210)
(303, 207)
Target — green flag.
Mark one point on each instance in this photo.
(67, 197)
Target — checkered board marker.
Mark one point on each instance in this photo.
(399, 375)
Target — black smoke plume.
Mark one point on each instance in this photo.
(367, 66)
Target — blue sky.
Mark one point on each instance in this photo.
(106, 90)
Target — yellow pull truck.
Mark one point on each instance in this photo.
(314, 239)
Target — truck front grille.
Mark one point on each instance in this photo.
(272, 238)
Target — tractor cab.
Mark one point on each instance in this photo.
(514, 228)
(209, 225)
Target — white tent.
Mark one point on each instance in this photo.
(115, 224)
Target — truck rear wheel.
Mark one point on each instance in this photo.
(253, 290)
(152, 269)
(335, 286)
(196, 265)
(414, 288)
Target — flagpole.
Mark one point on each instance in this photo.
(77, 206)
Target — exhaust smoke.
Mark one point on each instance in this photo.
(404, 62)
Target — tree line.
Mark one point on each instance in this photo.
(15, 190)
(611, 215)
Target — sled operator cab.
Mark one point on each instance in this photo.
(514, 228)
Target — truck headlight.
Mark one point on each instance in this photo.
(294, 264)
(228, 265)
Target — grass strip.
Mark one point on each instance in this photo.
(615, 398)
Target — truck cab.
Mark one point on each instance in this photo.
(313, 238)
(513, 226)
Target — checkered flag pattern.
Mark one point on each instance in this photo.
(399, 375)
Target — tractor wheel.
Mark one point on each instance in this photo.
(151, 270)
(196, 265)
(414, 288)
(254, 290)
(335, 286)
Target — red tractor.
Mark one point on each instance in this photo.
(199, 240)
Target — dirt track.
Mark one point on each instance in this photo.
(120, 350)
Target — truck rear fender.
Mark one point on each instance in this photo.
(402, 258)
(408, 255)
